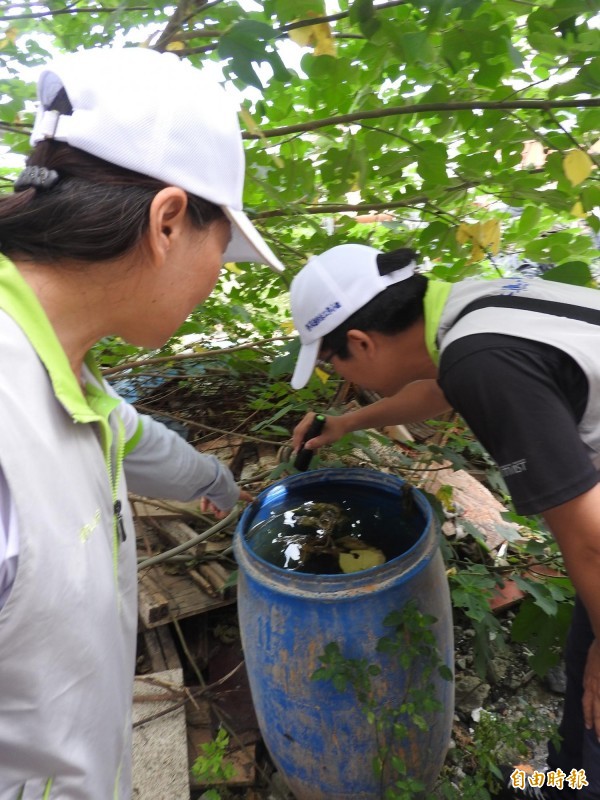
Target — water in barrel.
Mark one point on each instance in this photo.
(331, 531)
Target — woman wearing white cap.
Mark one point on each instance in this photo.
(519, 358)
(130, 202)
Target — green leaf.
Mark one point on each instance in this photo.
(574, 272)
(431, 163)
(529, 219)
(245, 43)
(362, 14)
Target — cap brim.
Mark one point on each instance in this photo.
(247, 244)
(307, 359)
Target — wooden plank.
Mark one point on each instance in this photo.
(153, 605)
(175, 532)
(168, 593)
(160, 650)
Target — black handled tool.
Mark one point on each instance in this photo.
(304, 456)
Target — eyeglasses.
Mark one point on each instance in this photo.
(324, 363)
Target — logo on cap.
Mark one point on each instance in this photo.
(312, 323)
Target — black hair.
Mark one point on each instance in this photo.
(96, 210)
(391, 311)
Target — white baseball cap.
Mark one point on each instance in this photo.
(328, 290)
(157, 115)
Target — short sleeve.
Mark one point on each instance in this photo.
(522, 402)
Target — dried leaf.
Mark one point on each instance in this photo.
(317, 36)
(484, 238)
(324, 41)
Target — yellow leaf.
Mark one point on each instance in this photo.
(10, 36)
(324, 41)
(357, 560)
(302, 36)
(250, 123)
(445, 495)
(483, 236)
(318, 36)
(477, 253)
(490, 235)
(173, 46)
(321, 375)
(288, 327)
(231, 266)
(253, 128)
(577, 210)
(577, 166)
(464, 233)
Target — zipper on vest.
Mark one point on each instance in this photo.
(119, 520)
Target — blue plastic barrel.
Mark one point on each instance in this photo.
(318, 737)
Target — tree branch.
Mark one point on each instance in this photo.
(72, 10)
(340, 208)
(421, 108)
(144, 362)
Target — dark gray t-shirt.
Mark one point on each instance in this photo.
(523, 400)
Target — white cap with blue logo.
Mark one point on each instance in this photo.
(329, 289)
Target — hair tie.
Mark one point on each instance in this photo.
(36, 178)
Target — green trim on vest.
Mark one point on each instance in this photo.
(134, 441)
(433, 306)
(20, 302)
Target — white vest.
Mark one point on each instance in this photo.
(576, 338)
(68, 627)
(67, 631)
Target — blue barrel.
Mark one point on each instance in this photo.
(318, 736)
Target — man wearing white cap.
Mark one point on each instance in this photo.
(130, 202)
(519, 359)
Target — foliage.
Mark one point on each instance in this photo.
(496, 740)
(475, 573)
(469, 125)
(466, 129)
(411, 645)
(210, 766)
(543, 616)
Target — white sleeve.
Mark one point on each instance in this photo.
(9, 540)
(163, 464)
(160, 463)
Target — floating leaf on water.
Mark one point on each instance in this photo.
(357, 560)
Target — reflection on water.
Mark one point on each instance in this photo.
(336, 530)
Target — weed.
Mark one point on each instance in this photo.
(210, 766)
(412, 646)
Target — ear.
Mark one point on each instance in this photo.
(360, 343)
(167, 219)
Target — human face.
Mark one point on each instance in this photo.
(187, 276)
(383, 363)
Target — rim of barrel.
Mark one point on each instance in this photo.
(329, 474)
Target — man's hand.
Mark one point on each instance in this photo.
(591, 689)
(334, 428)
